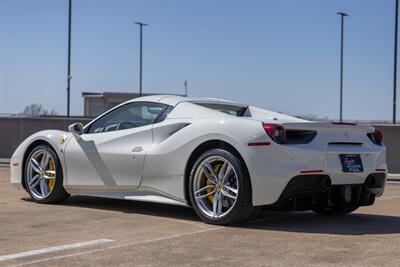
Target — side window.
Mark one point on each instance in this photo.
(128, 116)
(165, 114)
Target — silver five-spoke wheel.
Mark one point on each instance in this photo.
(40, 174)
(215, 186)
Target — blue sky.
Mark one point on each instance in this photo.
(278, 54)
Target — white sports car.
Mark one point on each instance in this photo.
(224, 159)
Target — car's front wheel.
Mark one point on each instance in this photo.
(220, 188)
(44, 176)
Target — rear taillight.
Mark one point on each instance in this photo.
(376, 137)
(276, 132)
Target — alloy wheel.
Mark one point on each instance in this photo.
(215, 186)
(40, 174)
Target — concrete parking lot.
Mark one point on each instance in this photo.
(94, 231)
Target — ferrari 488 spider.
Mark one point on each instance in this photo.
(224, 159)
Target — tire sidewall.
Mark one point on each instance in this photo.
(244, 193)
(58, 189)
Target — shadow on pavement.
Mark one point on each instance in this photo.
(308, 222)
(299, 222)
(129, 206)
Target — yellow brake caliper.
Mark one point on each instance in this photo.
(51, 181)
(209, 190)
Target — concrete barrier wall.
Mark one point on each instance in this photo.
(14, 130)
(391, 138)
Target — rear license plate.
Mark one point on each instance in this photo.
(351, 163)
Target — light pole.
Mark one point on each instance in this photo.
(395, 61)
(141, 55)
(342, 14)
(69, 58)
(186, 87)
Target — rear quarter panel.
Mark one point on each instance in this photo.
(166, 162)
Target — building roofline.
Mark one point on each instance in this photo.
(127, 94)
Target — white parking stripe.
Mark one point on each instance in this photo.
(393, 181)
(141, 242)
(53, 249)
(115, 247)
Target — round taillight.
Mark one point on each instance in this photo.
(276, 132)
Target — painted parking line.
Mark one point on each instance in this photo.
(53, 249)
(142, 242)
(114, 247)
(393, 181)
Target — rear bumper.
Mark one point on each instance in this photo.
(305, 191)
(272, 167)
(374, 183)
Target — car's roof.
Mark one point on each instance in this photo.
(173, 100)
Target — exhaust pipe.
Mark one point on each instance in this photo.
(346, 193)
(370, 182)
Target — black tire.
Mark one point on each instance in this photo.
(58, 193)
(242, 208)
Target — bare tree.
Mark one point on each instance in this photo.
(37, 110)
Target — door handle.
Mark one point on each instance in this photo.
(137, 149)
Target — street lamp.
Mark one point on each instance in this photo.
(69, 58)
(141, 55)
(396, 21)
(342, 14)
(186, 87)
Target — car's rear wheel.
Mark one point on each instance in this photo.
(220, 188)
(44, 176)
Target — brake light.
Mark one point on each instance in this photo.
(376, 137)
(276, 132)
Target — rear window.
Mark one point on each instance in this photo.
(233, 110)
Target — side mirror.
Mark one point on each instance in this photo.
(76, 129)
